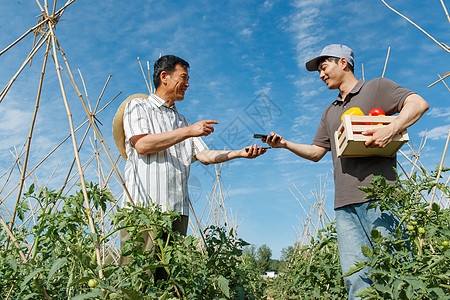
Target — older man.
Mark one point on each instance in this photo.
(161, 144)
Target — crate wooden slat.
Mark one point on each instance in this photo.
(349, 141)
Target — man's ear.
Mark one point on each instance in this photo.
(343, 63)
(163, 77)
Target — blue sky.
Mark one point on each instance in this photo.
(247, 72)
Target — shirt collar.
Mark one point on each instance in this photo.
(159, 102)
(355, 90)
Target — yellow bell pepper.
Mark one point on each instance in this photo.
(354, 111)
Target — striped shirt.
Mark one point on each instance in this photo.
(160, 177)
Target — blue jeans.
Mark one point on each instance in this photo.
(354, 224)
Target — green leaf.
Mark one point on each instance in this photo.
(29, 277)
(32, 296)
(11, 261)
(92, 294)
(366, 251)
(223, 285)
(416, 284)
(80, 281)
(375, 235)
(435, 207)
(240, 292)
(188, 240)
(132, 295)
(57, 264)
(356, 268)
(437, 293)
(31, 189)
(383, 288)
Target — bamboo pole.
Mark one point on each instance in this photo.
(443, 46)
(23, 36)
(441, 79)
(42, 160)
(40, 7)
(101, 94)
(92, 122)
(385, 63)
(362, 71)
(145, 78)
(441, 166)
(150, 77)
(56, 15)
(24, 64)
(85, 91)
(74, 143)
(30, 135)
(445, 10)
(11, 236)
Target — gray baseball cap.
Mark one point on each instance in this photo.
(334, 50)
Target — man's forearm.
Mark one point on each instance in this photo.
(311, 152)
(413, 108)
(217, 156)
(152, 143)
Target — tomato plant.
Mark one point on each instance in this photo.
(409, 264)
(313, 271)
(62, 263)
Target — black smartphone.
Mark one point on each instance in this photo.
(259, 136)
(264, 148)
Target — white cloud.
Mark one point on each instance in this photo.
(268, 4)
(265, 89)
(439, 112)
(246, 32)
(437, 133)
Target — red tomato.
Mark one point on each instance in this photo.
(376, 112)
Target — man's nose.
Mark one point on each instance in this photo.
(321, 74)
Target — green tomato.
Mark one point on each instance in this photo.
(92, 283)
(445, 244)
(421, 230)
(410, 227)
(414, 223)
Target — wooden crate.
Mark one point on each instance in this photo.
(350, 141)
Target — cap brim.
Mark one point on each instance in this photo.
(313, 64)
(117, 126)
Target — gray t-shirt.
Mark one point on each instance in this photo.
(349, 173)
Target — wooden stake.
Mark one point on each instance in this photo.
(145, 78)
(445, 10)
(443, 46)
(30, 135)
(385, 63)
(24, 64)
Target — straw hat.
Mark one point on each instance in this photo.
(117, 126)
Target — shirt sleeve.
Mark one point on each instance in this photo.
(322, 138)
(391, 96)
(198, 145)
(135, 120)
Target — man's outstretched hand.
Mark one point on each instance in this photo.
(252, 151)
(275, 140)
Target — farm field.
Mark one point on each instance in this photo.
(61, 213)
